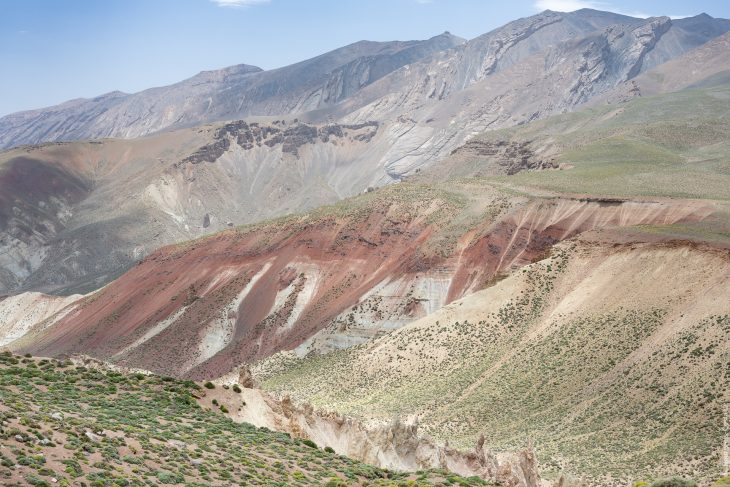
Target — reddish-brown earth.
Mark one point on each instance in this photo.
(322, 280)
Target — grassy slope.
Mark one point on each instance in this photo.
(621, 389)
(154, 433)
(674, 145)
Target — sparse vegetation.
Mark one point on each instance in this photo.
(65, 425)
(588, 388)
(668, 145)
(673, 482)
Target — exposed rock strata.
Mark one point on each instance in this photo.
(315, 284)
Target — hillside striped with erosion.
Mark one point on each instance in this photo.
(325, 280)
(470, 308)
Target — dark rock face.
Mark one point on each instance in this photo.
(290, 137)
(36, 198)
(511, 157)
(210, 152)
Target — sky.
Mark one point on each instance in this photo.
(55, 50)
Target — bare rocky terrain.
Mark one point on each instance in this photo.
(226, 94)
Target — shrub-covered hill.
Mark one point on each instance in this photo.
(62, 424)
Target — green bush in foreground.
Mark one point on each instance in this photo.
(673, 482)
(309, 443)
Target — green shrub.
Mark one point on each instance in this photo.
(236, 388)
(673, 482)
(132, 459)
(309, 443)
(165, 477)
(224, 409)
(329, 449)
(209, 385)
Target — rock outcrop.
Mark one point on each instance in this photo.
(397, 444)
(290, 137)
(503, 156)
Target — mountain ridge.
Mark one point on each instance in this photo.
(122, 115)
(334, 77)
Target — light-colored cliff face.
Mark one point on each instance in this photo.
(21, 312)
(707, 65)
(615, 343)
(530, 69)
(395, 445)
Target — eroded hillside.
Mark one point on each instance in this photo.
(74, 216)
(360, 117)
(612, 357)
(328, 279)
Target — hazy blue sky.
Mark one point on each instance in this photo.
(54, 50)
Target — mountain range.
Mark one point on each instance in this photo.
(408, 105)
(520, 240)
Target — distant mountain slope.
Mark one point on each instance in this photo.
(533, 68)
(225, 94)
(612, 47)
(674, 144)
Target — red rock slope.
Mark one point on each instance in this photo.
(328, 279)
